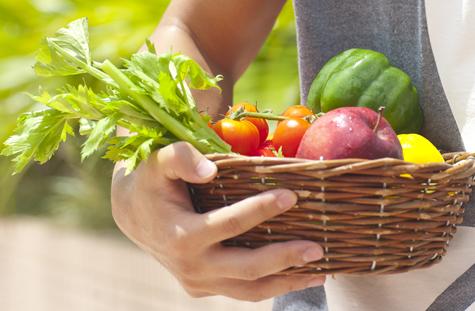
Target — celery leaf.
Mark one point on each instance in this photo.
(37, 137)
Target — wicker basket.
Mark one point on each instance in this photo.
(370, 216)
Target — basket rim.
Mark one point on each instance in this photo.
(451, 158)
(457, 164)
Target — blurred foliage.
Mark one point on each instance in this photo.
(272, 80)
(78, 193)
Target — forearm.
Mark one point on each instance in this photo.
(223, 36)
(172, 35)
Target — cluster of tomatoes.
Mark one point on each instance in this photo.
(249, 135)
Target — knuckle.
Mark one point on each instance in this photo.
(174, 152)
(233, 224)
(265, 206)
(182, 146)
(291, 259)
(178, 160)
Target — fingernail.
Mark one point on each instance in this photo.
(286, 200)
(312, 254)
(205, 168)
(315, 282)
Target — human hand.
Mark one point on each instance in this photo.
(153, 208)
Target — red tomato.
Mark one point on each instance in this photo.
(288, 135)
(266, 150)
(261, 124)
(243, 136)
(297, 111)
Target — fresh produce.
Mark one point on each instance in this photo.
(261, 124)
(358, 77)
(150, 97)
(288, 135)
(243, 136)
(297, 111)
(267, 149)
(418, 149)
(350, 132)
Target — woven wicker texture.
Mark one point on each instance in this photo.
(370, 216)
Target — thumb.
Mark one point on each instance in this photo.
(182, 161)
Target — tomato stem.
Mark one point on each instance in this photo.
(313, 117)
(380, 115)
(261, 115)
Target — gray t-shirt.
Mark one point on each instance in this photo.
(397, 28)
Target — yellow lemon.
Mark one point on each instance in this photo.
(418, 149)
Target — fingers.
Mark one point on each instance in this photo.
(253, 264)
(182, 161)
(230, 221)
(267, 287)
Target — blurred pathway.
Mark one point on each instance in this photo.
(50, 268)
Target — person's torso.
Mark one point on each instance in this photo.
(427, 40)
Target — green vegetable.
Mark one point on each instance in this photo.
(358, 77)
(150, 97)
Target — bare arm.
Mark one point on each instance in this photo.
(224, 36)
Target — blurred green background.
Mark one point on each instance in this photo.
(75, 193)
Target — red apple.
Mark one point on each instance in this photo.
(350, 132)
